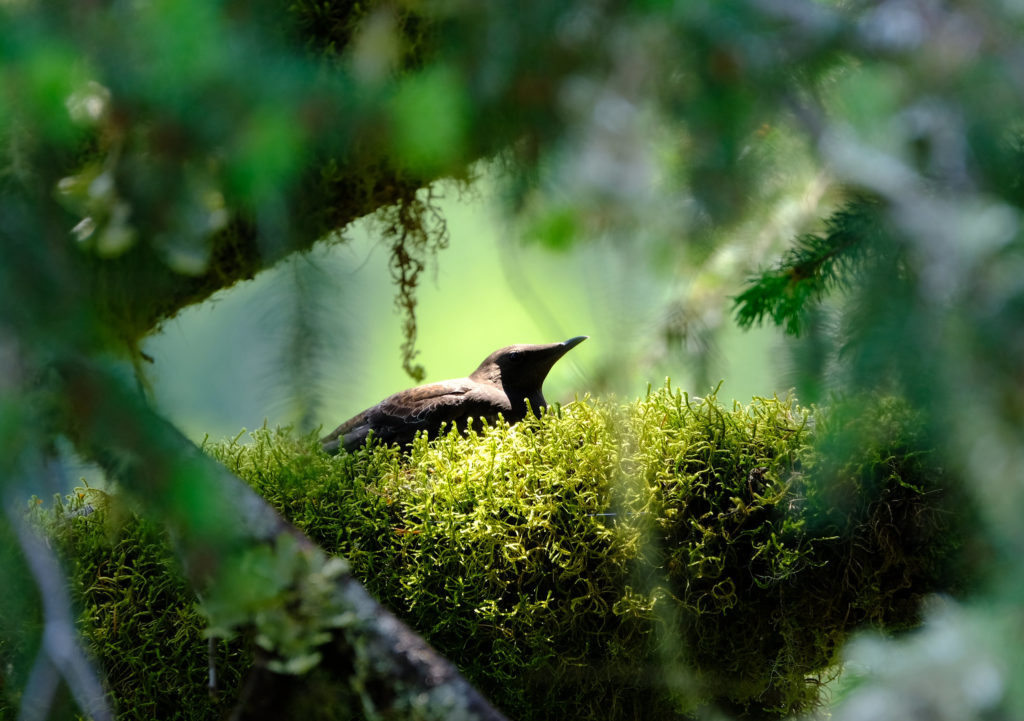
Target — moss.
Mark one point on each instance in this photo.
(138, 617)
(701, 541)
(603, 561)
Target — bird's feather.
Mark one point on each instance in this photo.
(399, 417)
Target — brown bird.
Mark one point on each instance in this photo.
(503, 383)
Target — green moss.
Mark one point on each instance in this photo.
(721, 573)
(138, 617)
(603, 561)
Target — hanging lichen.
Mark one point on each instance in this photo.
(416, 230)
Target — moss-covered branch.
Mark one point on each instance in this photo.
(560, 562)
(254, 569)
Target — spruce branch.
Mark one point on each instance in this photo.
(815, 266)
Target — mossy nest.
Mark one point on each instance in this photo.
(603, 561)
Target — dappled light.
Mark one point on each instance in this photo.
(225, 215)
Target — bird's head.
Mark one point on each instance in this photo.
(523, 368)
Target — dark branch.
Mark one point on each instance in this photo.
(214, 516)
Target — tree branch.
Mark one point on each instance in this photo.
(214, 517)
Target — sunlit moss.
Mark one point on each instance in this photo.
(605, 561)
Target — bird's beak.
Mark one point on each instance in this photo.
(573, 342)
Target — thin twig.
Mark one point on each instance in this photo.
(60, 653)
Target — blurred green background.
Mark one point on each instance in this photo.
(225, 364)
(635, 165)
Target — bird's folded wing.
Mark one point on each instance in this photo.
(430, 405)
(398, 417)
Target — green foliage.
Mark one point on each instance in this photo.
(430, 116)
(138, 615)
(286, 594)
(138, 175)
(603, 561)
(851, 249)
(162, 180)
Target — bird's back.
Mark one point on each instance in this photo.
(398, 418)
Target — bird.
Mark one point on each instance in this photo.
(504, 383)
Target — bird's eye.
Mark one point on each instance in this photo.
(514, 355)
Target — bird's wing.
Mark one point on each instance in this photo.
(399, 407)
(398, 418)
(430, 405)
